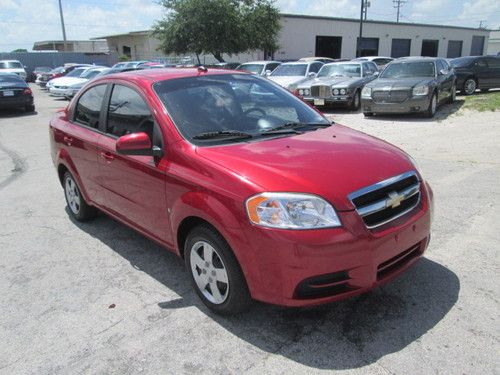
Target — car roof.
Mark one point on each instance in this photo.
(301, 62)
(374, 57)
(417, 58)
(261, 62)
(345, 62)
(149, 76)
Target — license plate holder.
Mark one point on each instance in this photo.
(8, 93)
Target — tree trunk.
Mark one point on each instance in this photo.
(218, 56)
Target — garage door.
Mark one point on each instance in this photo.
(477, 47)
(400, 47)
(454, 49)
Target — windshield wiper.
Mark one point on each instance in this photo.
(292, 127)
(236, 134)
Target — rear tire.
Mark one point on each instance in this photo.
(78, 208)
(218, 279)
(469, 86)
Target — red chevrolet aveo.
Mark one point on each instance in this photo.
(261, 195)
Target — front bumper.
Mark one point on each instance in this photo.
(310, 267)
(64, 93)
(341, 100)
(411, 105)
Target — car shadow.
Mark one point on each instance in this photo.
(16, 112)
(343, 335)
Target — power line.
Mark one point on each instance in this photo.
(398, 4)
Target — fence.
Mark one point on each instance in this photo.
(53, 59)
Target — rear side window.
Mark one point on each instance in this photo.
(89, 105)
(493, 62)
(128, 113)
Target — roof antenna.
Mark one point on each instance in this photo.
(201, 68)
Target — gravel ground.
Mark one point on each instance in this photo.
(99, 298)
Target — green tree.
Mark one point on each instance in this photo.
(20, 50)
(218, 26)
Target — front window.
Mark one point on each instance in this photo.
(252, 68)
(409, 69)
(233, 103)
(340, 70)
(290, 70)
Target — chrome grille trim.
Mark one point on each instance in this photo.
(321, 91)
(380, 205)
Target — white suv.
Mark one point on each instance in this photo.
(13, 66)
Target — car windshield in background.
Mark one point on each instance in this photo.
(10, 65)
(10, 80)
(57, 70)
(234, 106)
(76, 72)
(42, 69)
(461, 62)
(89, 74)
(409, 69)
(290, 70)
(340, 70)
(252, 68)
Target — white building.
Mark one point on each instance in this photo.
(302, 36)
(494, 43)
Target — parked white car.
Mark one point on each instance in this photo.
(261, 68)
(381, 61)
(13, 66)
(69, 85)
(289, 75)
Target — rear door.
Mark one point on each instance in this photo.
(134, 185)
(79, 137)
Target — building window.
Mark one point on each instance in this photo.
(454, 48)
(400, 47)
(127, 51)
(430, 47)
(328, 46)
(477, 46)
(369, 47)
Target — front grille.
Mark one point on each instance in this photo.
(393, 96)
(321, 91)
(387, 200)
(324, 285)
(389, 266)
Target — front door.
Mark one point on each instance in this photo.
(135, 185)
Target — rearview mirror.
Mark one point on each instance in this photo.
(137, 144)
(267, 73)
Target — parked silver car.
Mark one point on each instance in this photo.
(291, 74)
(338, 83)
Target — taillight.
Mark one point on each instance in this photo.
(27, 92)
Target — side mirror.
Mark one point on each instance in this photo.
(443, 72)
(267, 73)
(137, 144)
(376, 73)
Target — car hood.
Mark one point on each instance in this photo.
(399, 83)
(288, 81)
(330, 81)
(66, 81)
(331, 163)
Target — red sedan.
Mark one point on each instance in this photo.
(262, 196)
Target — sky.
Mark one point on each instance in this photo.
(22, 22)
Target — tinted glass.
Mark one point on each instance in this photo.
(244, 103)
(252, 68)
(409, 69)
(462, 62)
(493, 62)
(290, 70)
(128, 113)
(89, 74)
(89, 106)
(7, 80)
(340, 70)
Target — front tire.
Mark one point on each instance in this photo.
(431, 111)
(356, 101)
(215, 273)
(78, 208)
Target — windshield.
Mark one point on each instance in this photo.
(10, 65)
(91, 73)
(76, 72)
(340, 70)
(232, 102)
(290, 70)
(57, 70)
(252, 68)
(409, 69)
(461, 62)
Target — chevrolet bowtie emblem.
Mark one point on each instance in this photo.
(394, 200)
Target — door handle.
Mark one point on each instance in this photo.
(68, 140)
(107, 156)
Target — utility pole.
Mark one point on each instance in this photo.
(482, 24)
(364, 7)
(398, 4)
(62, 26)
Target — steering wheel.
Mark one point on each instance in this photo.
(255, 109)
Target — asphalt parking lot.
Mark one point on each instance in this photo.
(99, 298)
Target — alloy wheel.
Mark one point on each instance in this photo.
(470, 86)
(209, 272)
(72, 195)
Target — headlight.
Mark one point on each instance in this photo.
(420, 90)
(335, 91)
(343, 91)
(307, 91)
(366, 92)
(301, 92)
(291, 211)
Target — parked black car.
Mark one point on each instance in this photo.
(410, 85)
(15, 92)
(477, 72)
